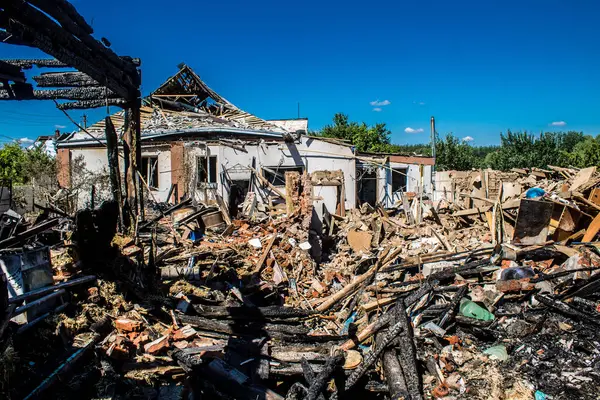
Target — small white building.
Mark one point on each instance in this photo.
(196, 143)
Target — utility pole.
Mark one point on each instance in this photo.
(433, 137)
(84, 121)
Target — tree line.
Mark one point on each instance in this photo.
(19, 165)
(516, 149)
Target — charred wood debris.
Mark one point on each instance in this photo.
(492, 295)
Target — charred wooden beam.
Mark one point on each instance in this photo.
(85, 104)
(251, 313)
(235, 383)
(62, 369)
(408, 354)
(235, 328)
(393, 375)
(27, 15)
(62, 46)
(453, 306)
(11, 72)
(320, 382)
(309, 375)
(112, 149)
(48, 289)
(564, 309)
(9, 38)
(36, 62)
(65, 8)
(64, 79)
(95, 93)
(82, 93)
(82, 32)
(296, 392)
(28, 63)
(23, 236)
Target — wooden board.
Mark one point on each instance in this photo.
(595, 196)
(567, 224)
(592, 230)
(474, 211)
(582, 177)
(533, 221)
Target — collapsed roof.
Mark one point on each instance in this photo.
(184, 104)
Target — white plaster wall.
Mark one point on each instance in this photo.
(314, 155)
(412, 181)
(95, 159)
(164, 171)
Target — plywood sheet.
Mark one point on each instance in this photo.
(533, 221)
(582, 177)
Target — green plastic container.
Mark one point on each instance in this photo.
(474, 310)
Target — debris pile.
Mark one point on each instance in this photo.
(491, 292)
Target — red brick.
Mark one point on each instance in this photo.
(157, 345)
(184, 333)
(182, 344)
(127, 325)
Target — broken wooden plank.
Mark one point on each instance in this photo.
(36, 229)
(533, 222)
(264, 255)
(592, 229)
(582, 177)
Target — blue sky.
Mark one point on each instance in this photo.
(480, 67)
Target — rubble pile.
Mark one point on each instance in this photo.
(489, 292)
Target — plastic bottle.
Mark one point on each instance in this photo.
(474, 310)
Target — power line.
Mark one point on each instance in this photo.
(26, 114)
(28, 118)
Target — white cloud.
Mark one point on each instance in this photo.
(377, 109)
(413, 130)
(378, 103)
(60, 126)
(468, 139)
(558, 123)
(25, 140)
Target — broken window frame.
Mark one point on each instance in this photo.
(276, 175)
(400, 173)
(206, 171)
(149, 169)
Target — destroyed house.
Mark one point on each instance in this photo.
(384, 178)
(197, 143)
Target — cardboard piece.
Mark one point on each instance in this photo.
(359, 241)
(582, 177)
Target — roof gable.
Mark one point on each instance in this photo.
(185, 103)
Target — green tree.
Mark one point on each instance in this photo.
(39, 165)
(12, 157)
(454, 154)
(21, 165)
(366, 138)
(585, 153)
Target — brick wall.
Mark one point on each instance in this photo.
(63, 160)
(177, 167)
